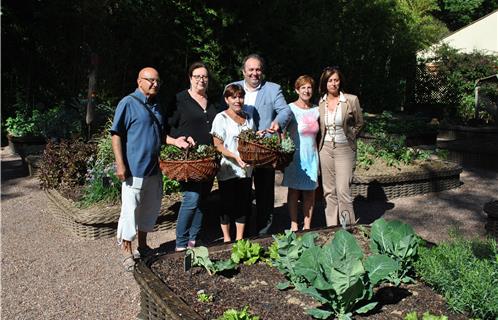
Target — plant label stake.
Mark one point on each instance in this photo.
(187, 262)
(343, 218)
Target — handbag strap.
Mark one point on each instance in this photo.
(154, 118)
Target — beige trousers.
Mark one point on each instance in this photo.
(337, 165)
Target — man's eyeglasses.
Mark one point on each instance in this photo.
(152, 81)
(199, 77)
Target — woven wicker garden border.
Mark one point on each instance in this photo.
(158, 301)
(101, 222)
(407, 184)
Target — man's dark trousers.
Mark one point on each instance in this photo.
(264, 183)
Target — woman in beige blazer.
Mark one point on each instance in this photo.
(340, 122)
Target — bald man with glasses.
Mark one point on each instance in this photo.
(137, 135)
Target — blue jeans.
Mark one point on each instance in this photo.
(190, 214)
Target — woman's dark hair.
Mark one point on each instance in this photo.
(196, 65)
(233, 90)
(324, 78)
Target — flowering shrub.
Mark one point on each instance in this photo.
(102, 185)
(64, 165)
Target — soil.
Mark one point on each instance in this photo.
(379, 167)
(255, 286)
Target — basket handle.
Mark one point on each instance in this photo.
(186, 152)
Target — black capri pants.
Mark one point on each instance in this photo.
(235, 199)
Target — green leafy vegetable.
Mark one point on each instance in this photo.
(285, 145)
(247, 252)
(200, 258)
(336, 277)
(398, 241)
(425, 316)
(232, 314)
(204, 297)
(201, 151)
(289, 249)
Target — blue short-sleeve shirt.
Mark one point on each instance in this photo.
(141, 139)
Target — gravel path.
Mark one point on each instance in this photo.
(49, 274)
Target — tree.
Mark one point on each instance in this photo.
(459, 13)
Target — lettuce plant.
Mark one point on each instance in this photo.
(426, 316)
(247, 252)
(398, 241)
(232, 314)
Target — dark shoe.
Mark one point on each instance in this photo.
(142, 252)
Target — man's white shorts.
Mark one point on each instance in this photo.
(140, 205)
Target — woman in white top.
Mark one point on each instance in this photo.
(234, 177)
(340, 122)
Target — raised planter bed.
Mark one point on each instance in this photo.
(491, 210)
(477, 152)
(101, 222)
(167, 292)
(428, 138)
(33, 161)
(458, 132)
(25, 146)
(431, 176)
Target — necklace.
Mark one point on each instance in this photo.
(331, 127)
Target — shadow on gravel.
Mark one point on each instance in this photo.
(467, 196)
(13, 169)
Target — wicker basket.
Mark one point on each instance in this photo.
(258, 155)
(190, 170)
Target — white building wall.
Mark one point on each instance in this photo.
(481, 35)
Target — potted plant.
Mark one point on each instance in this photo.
(24, 133)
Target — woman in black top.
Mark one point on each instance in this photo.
(191, 121)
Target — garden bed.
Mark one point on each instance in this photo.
(167, 292)
(24, 146)
(457, 132)
(101, 221)
(382, 182)
(426, 138)
(478, 152)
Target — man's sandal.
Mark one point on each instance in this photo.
(129, 263)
